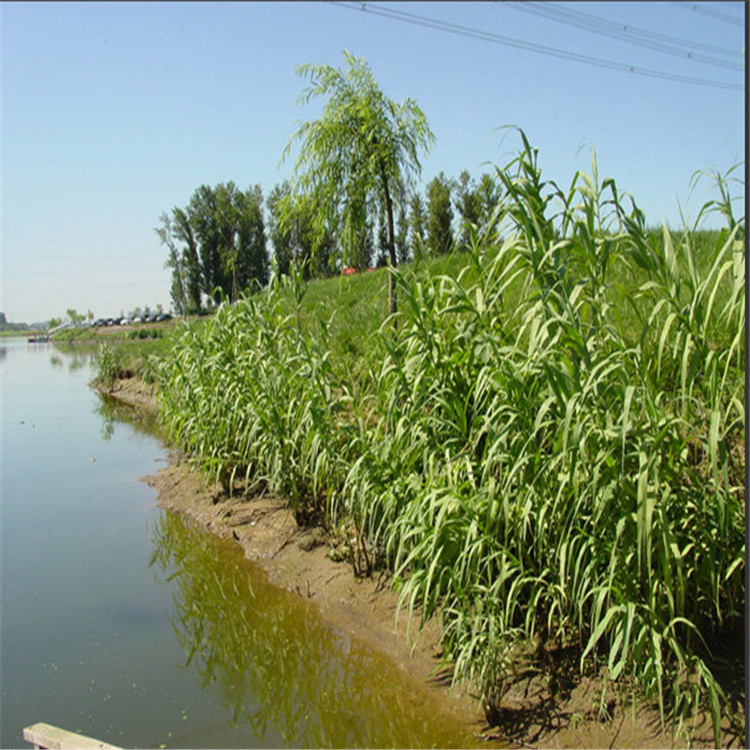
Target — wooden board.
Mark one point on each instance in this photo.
(43, 735)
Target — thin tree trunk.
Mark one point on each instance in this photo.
(392, 260)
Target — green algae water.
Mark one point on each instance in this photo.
(129, 624)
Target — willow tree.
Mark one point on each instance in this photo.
(361, 151)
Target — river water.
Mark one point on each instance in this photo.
(126, 623)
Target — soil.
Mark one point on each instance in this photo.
(556, 708)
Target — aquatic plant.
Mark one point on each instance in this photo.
(547, 447)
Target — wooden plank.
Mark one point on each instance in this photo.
(43, 735)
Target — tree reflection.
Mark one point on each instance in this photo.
(274, 662)
(77, 356)
(112, 411)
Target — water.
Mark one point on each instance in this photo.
(128, 624)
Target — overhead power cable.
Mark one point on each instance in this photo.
(707, 11)
(627, 33)
(605, 23)
(458, 29)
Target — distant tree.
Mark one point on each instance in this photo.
(216, 245)
(230, 227)
(468, 205)
(417, 225)
(293, 233)
(189, 263)
(361, 151)
(175, 261)
(475, 201)
(439, 216)
(490, 194)
(361, 255)
(250, 261)
(202, 214)
(6, 326)
(224, 223)
(280, 229)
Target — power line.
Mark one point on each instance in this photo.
(451, 28)
(701, 8)
(630, 29)
(627, 33)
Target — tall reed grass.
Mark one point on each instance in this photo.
(548, 447)
(250, 396)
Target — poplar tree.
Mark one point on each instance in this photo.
(439, 216)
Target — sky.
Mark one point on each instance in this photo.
(113, 113)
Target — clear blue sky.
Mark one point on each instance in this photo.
(115, 112)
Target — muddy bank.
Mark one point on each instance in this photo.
(132, 391)
(298, 560)
(554, 709)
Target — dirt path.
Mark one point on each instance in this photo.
(558, 709)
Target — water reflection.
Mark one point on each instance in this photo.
(277, 666)
(77, 356)
(112, 411)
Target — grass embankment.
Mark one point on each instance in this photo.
(545, 447)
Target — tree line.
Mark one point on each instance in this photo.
(352, 201)
(224, 241)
